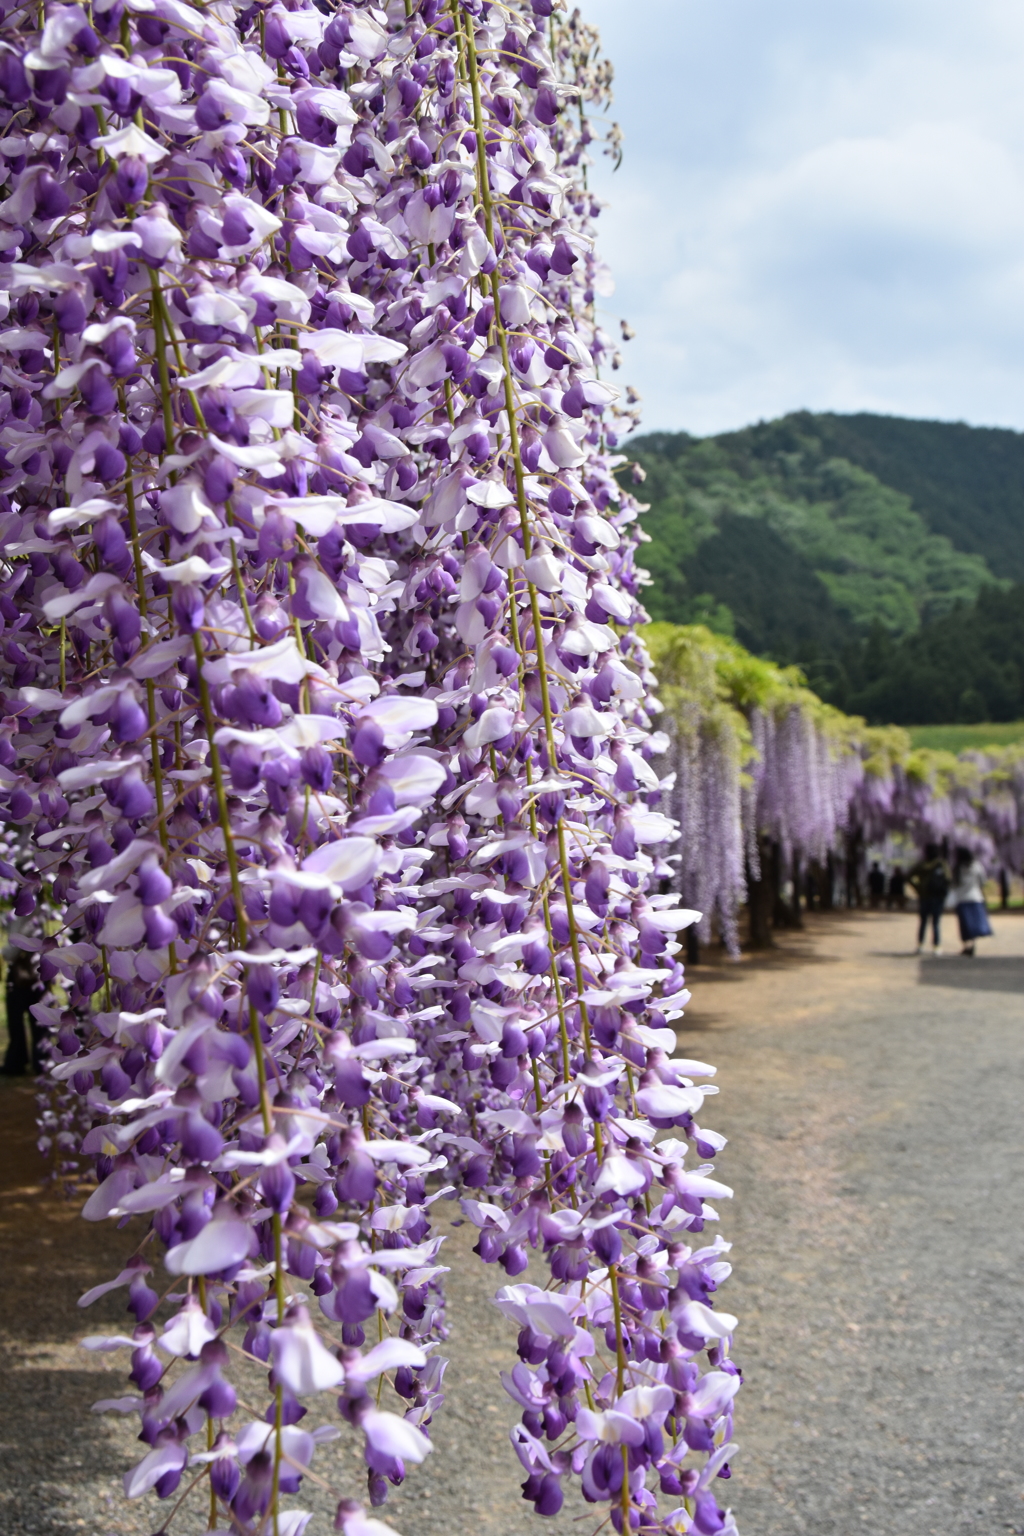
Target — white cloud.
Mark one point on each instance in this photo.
(820, 206)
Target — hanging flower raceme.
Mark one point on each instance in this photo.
(755, 764)
(327, 733)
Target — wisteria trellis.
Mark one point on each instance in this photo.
(750, 756)
(326, 734)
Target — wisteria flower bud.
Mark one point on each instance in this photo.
(225, 1474)
(188, 606)
(132, 179)
(277, 1185)
(262, 988)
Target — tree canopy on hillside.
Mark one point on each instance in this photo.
(872, 552)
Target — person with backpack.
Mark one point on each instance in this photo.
(930, 879)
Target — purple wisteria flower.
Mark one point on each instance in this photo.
(327, 736)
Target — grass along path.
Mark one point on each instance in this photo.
(967, 738)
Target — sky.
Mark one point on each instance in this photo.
(821, 206)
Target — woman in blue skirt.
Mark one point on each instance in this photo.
(969, 898)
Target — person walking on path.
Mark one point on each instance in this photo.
(876, 885)
(897, 890)
(930, 879)
(22, 990)
(969, 896)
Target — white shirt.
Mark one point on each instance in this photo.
(968, 886)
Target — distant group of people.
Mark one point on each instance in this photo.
(892, 891)
(939, 889)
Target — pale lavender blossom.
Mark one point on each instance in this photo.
(327, 735)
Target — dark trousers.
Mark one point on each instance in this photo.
(24, 1036)
(930, 910)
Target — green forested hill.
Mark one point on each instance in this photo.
(966, 482)
(854, 546)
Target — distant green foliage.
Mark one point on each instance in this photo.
(784, 537)
(965, 738)
(768, 594)
(709, 683)
(873, 556)
(966, 482)
(696, 666)
(967, 668)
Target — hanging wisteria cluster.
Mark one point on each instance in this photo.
(800, 781)
(703, 746)
(974, 800)
(750, 758)
(326, 735)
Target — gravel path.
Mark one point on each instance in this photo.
(874, 1106)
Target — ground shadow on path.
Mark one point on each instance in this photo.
(996, 973)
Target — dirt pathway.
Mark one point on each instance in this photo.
(878, 1154)
(873, 1103)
